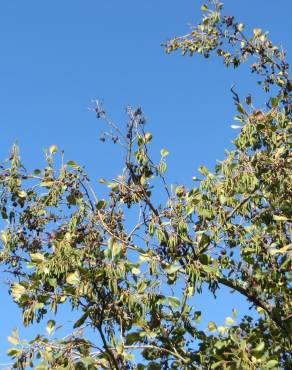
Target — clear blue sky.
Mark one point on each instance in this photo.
(58, 55)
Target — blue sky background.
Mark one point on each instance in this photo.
(56, 56)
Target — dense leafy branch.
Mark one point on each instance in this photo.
(132, 266)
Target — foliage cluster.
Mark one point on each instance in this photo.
(134, 279)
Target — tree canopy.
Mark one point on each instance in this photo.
(132, 265)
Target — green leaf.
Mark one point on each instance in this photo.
(101, 204)
(87, 360)
(282, 250)
(275, 101)
(141, 286)
(259, 347)
(220, 344)
(190, 209)
(203, 170)
(50, 326)
(4, 237)
(13, 340)
(4, 213)
(53, 149)
(280, 218)
(103, 181)
(204, 258)
(114, 248)
(172, 269)
(22, 194)
(73, 278)
(271, 364)
(73, 165)
(204, 241)
(41, 366)
(240, 109)
(47, 183)
(260, 310)
(210, 269)
(17, 291)
(147, 137)
(198, 316)
(164, 152)
(162, 167)
(212, 326)
(153, 366)
(132, 338)
(15, 333)
(53, 282)
(37, 257)
(136, 271)
(190, 291)
(222, 329)
(229, 321)
(81, 320)
(206, 213)
(173, 301)
(14, 352)
(180, 191)
(215, 365)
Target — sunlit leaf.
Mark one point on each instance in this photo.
(13, 340)
(50, 326)
(229, 321)
(37, 257)
(73, 278)
(164, 152)
(212, 326)
(53, 149)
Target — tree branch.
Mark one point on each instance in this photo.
(111, 356)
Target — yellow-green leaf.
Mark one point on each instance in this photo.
(282, 250)
(17, 291)
(280, 218)
(47, 184)
(73, 278)
(13, 340)
(4, 237)
(73, 165)
(222, 329)
(271, 364)
(174, 302)
(260, 310)
(51, 326)
(164, 152)
(135, 271)
(229, 321)
(53, 149)
(260, 347)
(212, 326)
(22, 194)
(147, 137)
(37, 257)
